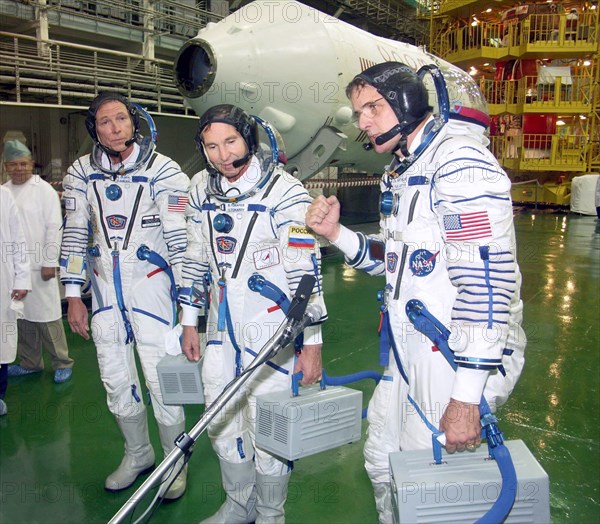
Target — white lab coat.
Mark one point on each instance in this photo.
(39, 207)
(14, 272)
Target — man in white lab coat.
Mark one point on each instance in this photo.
(41, 325)
(14, 283)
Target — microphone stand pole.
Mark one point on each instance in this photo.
(183, 445)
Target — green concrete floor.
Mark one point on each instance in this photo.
(58, 442)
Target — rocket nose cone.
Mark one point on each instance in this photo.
(195, 68)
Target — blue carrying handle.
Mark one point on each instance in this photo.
(327, 380)
(427, 324)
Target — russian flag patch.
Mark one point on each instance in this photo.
(299, 237)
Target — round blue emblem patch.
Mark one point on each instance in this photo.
(113, 192)
(422, 262)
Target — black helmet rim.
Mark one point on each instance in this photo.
(99, 101)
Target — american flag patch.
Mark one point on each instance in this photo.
(467, 226)
(177, 203)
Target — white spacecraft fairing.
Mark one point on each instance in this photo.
(289, 64)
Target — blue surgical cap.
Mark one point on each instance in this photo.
(15, 149)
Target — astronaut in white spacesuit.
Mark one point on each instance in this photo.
(131, 199)
(248, 245)
(447, 241)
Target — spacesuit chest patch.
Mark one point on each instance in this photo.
(392, 262)
(116, 221)
(151, 221)
(266, 258)
(69, 203)
(226, 245)
(300, 237)
(422, 262)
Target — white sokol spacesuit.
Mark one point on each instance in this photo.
(125, 288)
(236, 247)
(447, 240)
(136, 217)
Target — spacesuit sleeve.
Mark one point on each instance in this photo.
(471, 196)
(195, 263)
(365, 252)
(300, 249)
(171, 188)
(76, 231)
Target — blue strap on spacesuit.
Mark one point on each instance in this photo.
(431, 327)
(386, 341)
(119, 294)
(145, 253)
(236, 347)
(211, 206)
(267, 289)
(223, 310)
(259, 284)
(315, 263)
(386, 337)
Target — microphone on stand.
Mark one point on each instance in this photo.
(300, 300)
(296, 318)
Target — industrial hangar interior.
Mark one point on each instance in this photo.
(538, 71)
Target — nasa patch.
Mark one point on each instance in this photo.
(116, 221)
(422, 262)
(226, 245)
(392, 262)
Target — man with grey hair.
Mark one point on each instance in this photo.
(41, 325)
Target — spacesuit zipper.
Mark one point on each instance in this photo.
(249, 231)
(119, 294)
(222, 315)
(101, 214)
(134, 211)
(411, 212)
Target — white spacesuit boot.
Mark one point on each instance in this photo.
(383, 501)
(271, 493)
(168, 434)
(139, 455)
(239, 485)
